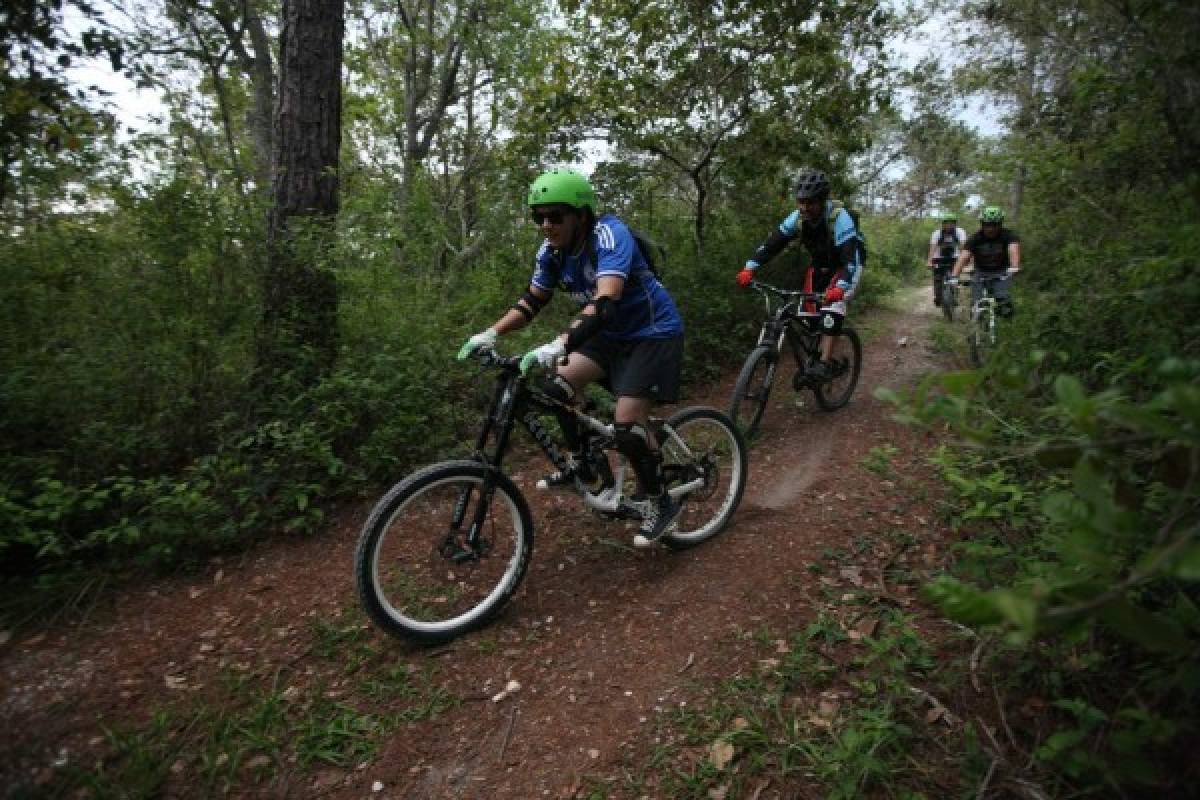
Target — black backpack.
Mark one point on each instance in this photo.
(654, 253)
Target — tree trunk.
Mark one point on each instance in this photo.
(262, 72)
(298, 333)
(1026, 119)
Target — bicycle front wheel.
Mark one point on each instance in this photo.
(443, 551)
(982, 338)
(845, 367)
(752, 389)
(703, 449)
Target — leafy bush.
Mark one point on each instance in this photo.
(1083, 548)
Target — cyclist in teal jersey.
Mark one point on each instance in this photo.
(628, 334)
(832, 240)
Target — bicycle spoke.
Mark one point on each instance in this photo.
(707, 454)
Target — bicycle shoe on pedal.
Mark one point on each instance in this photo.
(659, 515)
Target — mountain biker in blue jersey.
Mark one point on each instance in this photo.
(996, 252)
(628, 333)
(832, 239)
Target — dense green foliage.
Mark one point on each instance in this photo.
(1079, 484)
(134, 431)
(139, 426)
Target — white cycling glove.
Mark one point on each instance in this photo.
(545, 356)
(478, 342)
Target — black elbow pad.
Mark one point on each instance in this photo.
(586, 326)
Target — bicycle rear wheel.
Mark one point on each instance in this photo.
(949, 302)
(436, 558)
(845, 366)
(753, 388)
(703, 447)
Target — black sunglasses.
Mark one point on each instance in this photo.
(553, 217)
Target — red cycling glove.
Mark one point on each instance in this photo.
(833, 294)
(745, 277)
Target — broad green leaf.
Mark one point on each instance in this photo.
(1154, 632)
(1019, 609)
(1187, 564)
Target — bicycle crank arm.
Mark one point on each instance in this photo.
(607, 501)
(685, 489)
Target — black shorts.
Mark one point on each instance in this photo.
(638, 367)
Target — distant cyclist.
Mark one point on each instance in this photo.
(996, 252)
(829, 234)
(628, 333)
(944, 246)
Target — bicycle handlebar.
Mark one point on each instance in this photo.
(490, 357)
(977, 278)
(790, 294)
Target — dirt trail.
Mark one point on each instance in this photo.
(603, 639)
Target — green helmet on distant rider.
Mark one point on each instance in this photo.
(562, 187)
(991, 215)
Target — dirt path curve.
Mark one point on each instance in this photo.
(602, 639)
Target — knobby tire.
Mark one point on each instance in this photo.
(847, 365)
(705, 444)
(753, 389)
(416, 577)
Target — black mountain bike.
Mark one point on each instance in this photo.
(947, 298)
(789, 322)
(447, 547)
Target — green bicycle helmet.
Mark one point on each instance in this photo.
(562, 186)
(991, 214)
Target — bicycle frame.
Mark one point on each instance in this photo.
(987, 298)
(983, 315)
(515, 401)
(778, 326)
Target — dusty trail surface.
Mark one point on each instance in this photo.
(604, 640)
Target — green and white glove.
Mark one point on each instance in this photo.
(545, 356)
(478, 342)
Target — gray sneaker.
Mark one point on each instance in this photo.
(659, 516)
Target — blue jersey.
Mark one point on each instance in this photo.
(644, 310)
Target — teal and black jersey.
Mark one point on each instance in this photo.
(836, 254)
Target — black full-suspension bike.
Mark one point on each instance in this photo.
(789, 322)
(446, 548)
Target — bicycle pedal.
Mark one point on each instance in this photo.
(557, 480)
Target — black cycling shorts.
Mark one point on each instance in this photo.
(638, 367)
